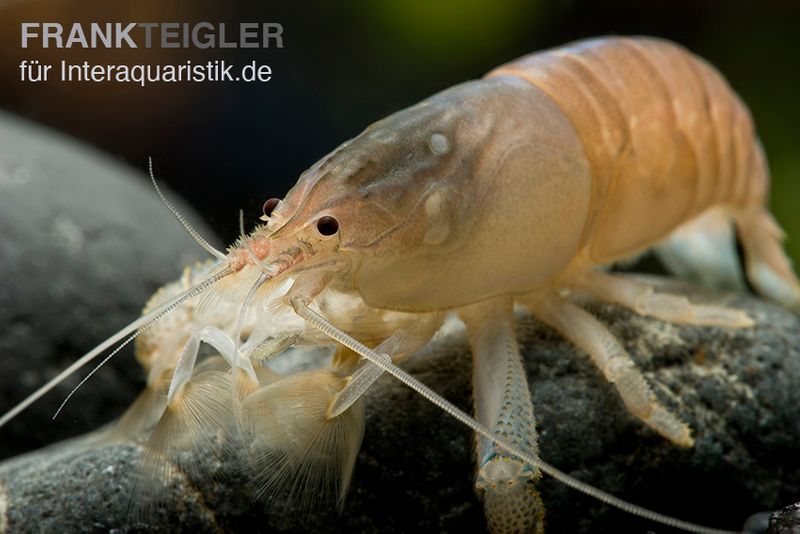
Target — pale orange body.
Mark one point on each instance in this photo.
(665, 136)
(518, 189)
(515, 189)
(566, 159)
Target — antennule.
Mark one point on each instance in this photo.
(188, 227)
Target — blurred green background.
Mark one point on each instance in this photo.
(227, 146)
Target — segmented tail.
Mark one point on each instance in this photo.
(767, 266)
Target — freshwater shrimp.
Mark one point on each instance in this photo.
(518, 189)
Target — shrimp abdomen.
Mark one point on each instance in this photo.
(667, 140)
(665, 136)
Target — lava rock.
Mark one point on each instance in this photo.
(786, 521)
(84, 242)
(738, 389)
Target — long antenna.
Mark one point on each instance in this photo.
(136, 326)
(181, 219)
(190, 293)
(403, 376)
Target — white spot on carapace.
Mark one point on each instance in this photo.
(437, 233)
(434, 203)
(439, 144)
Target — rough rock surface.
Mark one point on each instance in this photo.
(84, 242)
(739, 390)
(786, 521)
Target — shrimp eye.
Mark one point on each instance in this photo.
(327, 225)
(270, 205)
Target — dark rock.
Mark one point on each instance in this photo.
(84, 242)
(739, 390)
(786, 521)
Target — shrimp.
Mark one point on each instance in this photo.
(518, 189)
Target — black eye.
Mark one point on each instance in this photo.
(327, 225)
(270, 205)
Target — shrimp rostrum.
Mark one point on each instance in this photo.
(516, 190)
